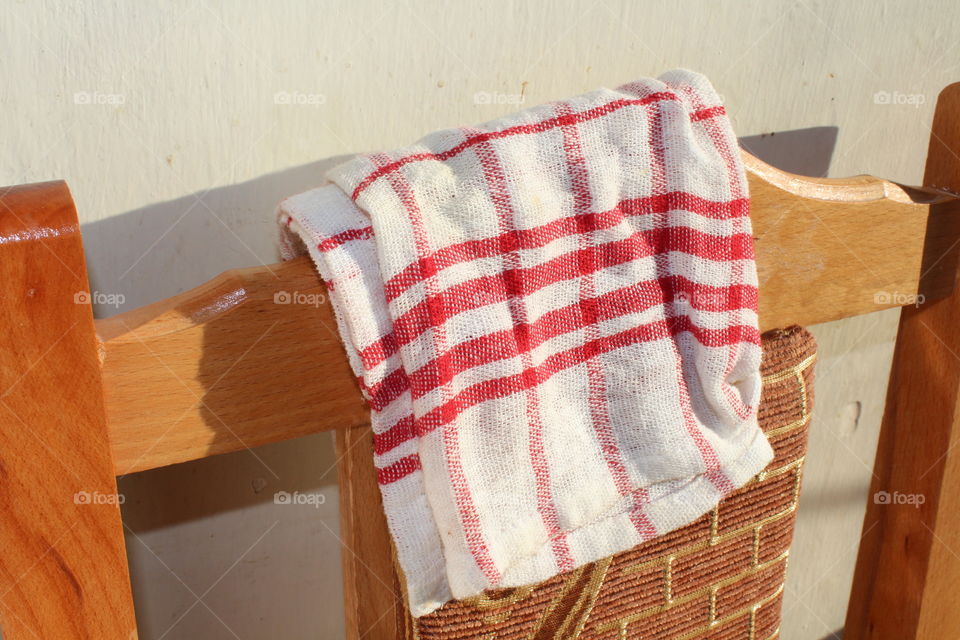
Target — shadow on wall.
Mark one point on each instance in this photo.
(166, 248)
(163, 249)
(187, 523)
(806, 152)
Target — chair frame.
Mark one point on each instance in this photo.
(224, 367)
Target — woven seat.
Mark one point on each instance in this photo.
(719, 577)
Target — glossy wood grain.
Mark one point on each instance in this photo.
(63, 566)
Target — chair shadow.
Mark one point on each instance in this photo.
(159, 250)
(153, 253)
(175, 246)
(806, 152)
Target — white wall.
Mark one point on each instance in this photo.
(163, 119)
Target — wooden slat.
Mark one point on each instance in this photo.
(830, 249)
(249, 358)
(63, 567)
(907, 578)
(222, 367)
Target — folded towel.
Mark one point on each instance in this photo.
(553, 317)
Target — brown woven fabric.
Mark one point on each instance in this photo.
(720, 577)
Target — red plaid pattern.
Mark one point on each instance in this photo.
(553, 317)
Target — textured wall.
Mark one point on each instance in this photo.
(179, 125)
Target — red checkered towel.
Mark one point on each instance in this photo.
(553, 317)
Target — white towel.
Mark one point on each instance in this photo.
(553, 317)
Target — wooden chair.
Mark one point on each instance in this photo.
(223, 367)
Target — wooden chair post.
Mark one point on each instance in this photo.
(63, 566)
(907, 579)
(374, 607)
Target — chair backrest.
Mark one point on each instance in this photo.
(80, 409)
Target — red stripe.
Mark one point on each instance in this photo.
(491, 289)
(400, 432)
(499, 345)
(717, 137)
(399, 469)
(513, 290)
(469, 517)
(379, 351)
(500, 387)
(626, 300)
(404, 429)
(388, 389)
(707, 113)
(707, 453)
(537, 237)
(334, 241)
(589, 316)
(539, 127)
(736, 402)
(508, 385)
